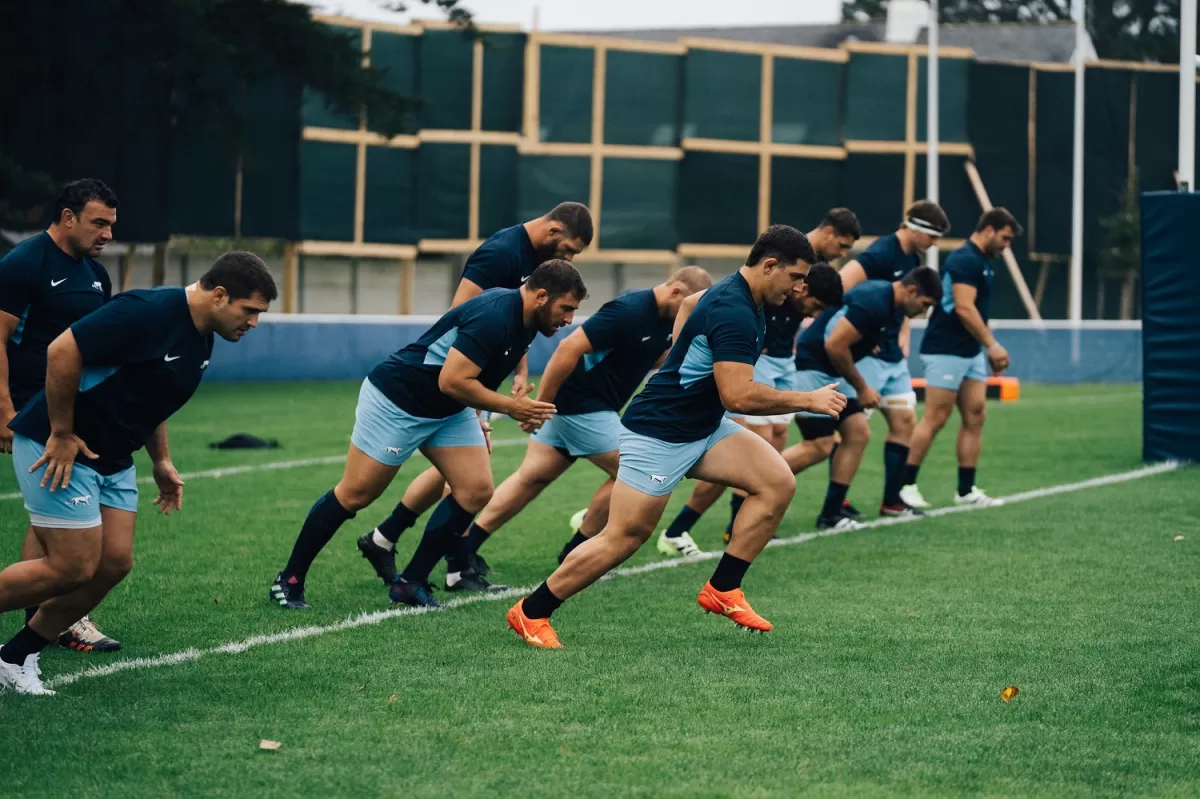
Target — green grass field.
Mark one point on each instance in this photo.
(883, 675)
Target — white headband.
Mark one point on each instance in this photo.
(921, 226)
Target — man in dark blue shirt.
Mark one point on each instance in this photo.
(676, 426)
(890, 258)
(830, 349)
(112, 381)
(592, 374)
(957, 350)
(506, 260)
(47, 283)
(423, 397)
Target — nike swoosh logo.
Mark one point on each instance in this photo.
(169, 358)
(645, 338)
(57, 282)
(524, 278)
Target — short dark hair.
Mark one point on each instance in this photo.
(576, 218)
(242, 274)
(843, 221)
(783, 243)
(558, 277)
(928, 214)
(927, 281)
(824, 284)
(997, 219)
(78, 193)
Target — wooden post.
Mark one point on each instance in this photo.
(291, 276)
(596, 184)
(1014, 269)
(476, 146)
(360, 165)
(1043, 278)
(237, 201)
(1031, 221)
(910, 135)
(159, 273)
(765, 121)
(533, 64)
(408, 279)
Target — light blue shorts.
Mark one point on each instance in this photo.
(776, 372)
(582, 434)
(655, 467)
(76, 507)
(889, 379)
(389, 435)
(811, 380)
(949, 371)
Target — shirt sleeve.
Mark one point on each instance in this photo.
(733, 335)
(120, 332)
(968, 271)
(489, 268)
(863, 316)
(18, 285)
(481, 335)
(609, 326)
(872, 262)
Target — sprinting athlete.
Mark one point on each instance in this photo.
(112, 380)
(957, 350)
(890, 258)
(676, 426)
(592, 374)
(505, 261)
(422, 398)
(831, 241)
(47, 283)
(829, 350)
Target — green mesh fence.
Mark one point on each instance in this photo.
(1055, 99)
(271, 160)
(503, 80)
(390, 202)
(873, 187)
(721, 95)
(807, 102)
(639, 204)
(953, 98)
(718, 198)
(443, 187)
(565, 105)
(444, 79)
(803, 189)
(498, 169)
(876, 96)
(643, 93)
(327, 190)
(396, 55)
(544, 181)
(315, 111)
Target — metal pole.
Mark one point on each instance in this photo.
(932, 181)
(1075, 307)
(1187, 95)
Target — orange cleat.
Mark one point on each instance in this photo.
(535, 632)
(734, 605)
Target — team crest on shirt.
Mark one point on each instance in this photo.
(204, 366)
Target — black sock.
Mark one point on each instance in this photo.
(541, 603)
(575, 541)
(729, 573)
(394, 526)
(446, 526)
(476, 536)
(323, 521)
(735, 505)
(835, 495)
(832, 452)
(910, 475)
(966, 480)
(30, 613)
(894, 457)
(683, 522)
(25, 643)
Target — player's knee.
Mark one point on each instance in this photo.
(824, 446)
(936, 418)
(474, 498)
(856, 432)
(975, 416)
(354, 497)
(778, 486)
(74, 572)
(113, 569)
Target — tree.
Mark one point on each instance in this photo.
(1133, 30)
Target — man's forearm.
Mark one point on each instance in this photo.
(156, 445)
(474, 394)
(973, 322)
(844, 362)
(63, 371)
(6, 401)
(562, 364)
(762, 400)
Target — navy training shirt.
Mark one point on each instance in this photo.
(48, 291)
(946, 334)
(489, 329)
(783, 323)
(886, 260)
(628, 335)
(870, 306)
(504, 261)
(142, 361)
(681, 403)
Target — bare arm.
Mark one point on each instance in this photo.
(968, 314)
(64, 368)
(562, 363)
(740, 394)
(905, 337)
(841, 339)
(8, 324)
(685, 310)
(459, 380)
(467, 290)
(852, 274)
(156, 445)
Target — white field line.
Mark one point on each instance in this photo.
(376, 617)
(271, 466)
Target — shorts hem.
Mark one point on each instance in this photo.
(54, 523)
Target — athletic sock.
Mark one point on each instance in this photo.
(30, 613)
(729, 573)
(966, 480)
(735, 505)
(394, 526)
(835, 495)
(575, 541)
(894, 457)
(683, 522)
(25, 643)
(446, 526)
(910, 474)
(323, 521)
(476, 536)
(541, 603)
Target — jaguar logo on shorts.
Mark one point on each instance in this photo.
(392, 450)
(85, 499)
(661, 479)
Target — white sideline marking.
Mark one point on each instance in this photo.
(271, 466)
(376, 617)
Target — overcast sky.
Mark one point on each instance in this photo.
(563, 15)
